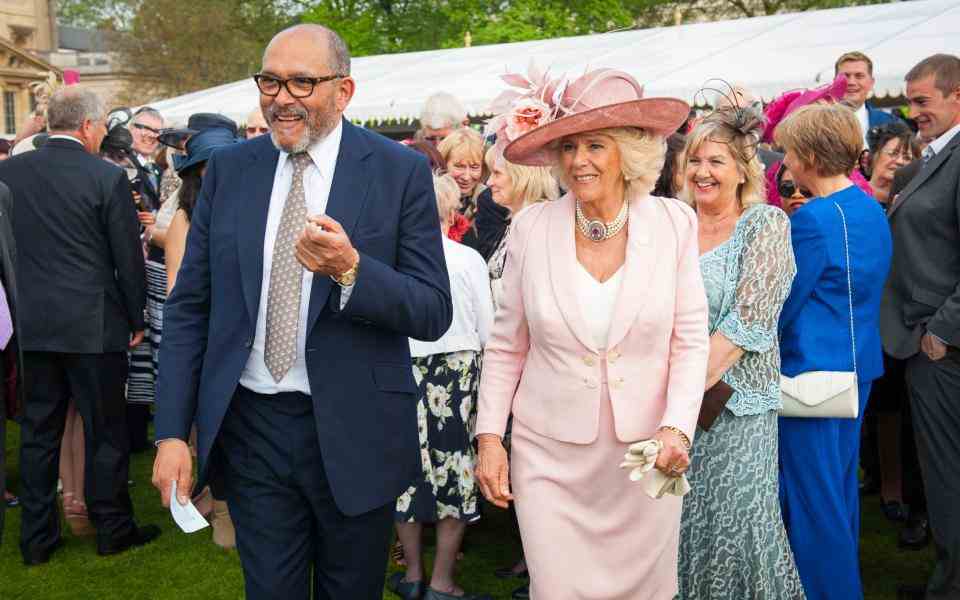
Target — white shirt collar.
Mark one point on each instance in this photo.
(941, 142)
(63, 136)
(323, 152)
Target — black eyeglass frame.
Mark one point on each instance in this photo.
(147, 128)
(285, 83)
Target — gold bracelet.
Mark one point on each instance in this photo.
(683, 437)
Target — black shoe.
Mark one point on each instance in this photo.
(41, 557)
(138, 537)
(915, 535)
(521, 593)
(893, 510)
(433, 594)
(869, 486)
(408, 590)
(911, 592)
(509, 573)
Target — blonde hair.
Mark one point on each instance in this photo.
(742, 143)
(530, 184)
(824, 137)
(641, 158)
(461, 143)
(448, 196)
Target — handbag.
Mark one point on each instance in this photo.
(825, 394)
(714, 401)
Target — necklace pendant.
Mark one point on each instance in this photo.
(596, 231)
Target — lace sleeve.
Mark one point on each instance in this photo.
(767, 269)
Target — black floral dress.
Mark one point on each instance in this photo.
(446, 420)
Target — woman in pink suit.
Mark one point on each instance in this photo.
(601, 341)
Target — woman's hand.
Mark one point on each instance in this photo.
(493, 470)
(147, 218)
(674, 459)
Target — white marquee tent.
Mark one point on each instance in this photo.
(767, 54)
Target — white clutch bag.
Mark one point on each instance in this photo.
(820, 394)
(825, 394)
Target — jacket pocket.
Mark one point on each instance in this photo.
(928, 297)
(394, 378)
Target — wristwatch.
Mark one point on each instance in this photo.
(348, 277)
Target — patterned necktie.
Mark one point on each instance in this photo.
(6, 319)
(286, 278)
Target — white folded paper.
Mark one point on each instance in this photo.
(640, 459)
(186, 516)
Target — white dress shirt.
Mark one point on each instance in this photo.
(317, 180)
(937, 145)
(864, 117)
(472, 303)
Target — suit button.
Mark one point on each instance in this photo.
(613, 356)
(589, 360)
(590, 383)
(617, 383)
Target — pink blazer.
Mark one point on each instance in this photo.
(541, 362)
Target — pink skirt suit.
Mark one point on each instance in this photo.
(588, 532)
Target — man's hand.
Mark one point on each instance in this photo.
(932, 347)
(324, 247)
(136, 339)
(147, 218)
(173, 462)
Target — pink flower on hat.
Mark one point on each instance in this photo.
(526, 114)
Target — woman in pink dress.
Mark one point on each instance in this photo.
(600, 342)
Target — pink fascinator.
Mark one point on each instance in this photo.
(778, 110)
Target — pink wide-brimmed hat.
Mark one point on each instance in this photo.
(552, 109)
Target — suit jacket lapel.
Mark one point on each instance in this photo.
(636, 281)
(348, 194)
(563, 263)
(925, 173)
(257, 180)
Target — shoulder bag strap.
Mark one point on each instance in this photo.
(846, 251)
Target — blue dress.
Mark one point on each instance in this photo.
(732, 542)
(819, 457)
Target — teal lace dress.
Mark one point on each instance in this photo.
(733, 545)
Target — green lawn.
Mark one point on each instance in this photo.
(186, 567)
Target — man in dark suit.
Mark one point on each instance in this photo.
(920, 313)
(314, 254)
(81, 289)
(11, 364)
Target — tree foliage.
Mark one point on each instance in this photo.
(179, 46)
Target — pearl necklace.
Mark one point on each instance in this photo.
(598, 231)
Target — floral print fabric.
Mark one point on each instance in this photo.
(446, 420)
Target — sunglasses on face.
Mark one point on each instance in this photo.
(787, 189)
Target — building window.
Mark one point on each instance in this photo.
(10, 112)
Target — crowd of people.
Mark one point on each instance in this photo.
(666, 340)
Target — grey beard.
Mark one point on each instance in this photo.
(317, 130)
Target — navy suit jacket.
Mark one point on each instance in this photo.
(815, 321)
(875, 116)
(358, 359)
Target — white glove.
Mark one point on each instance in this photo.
(640, 459)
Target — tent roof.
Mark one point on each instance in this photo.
(768, 55)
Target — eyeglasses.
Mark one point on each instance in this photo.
(148, 131)
(904, 154)
(787, 189)
(298, 87)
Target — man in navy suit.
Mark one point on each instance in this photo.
(858, 69)
(313, 255)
